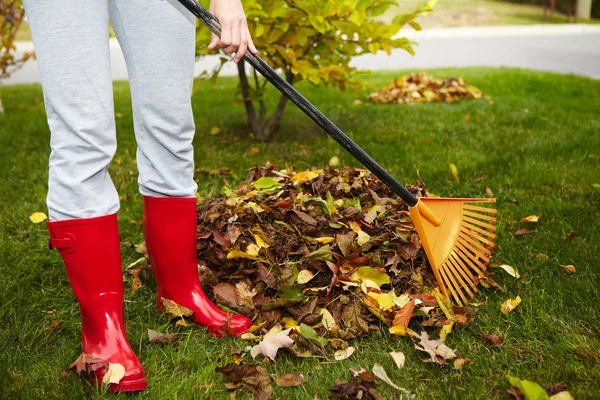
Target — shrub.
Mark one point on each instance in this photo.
(312, 40)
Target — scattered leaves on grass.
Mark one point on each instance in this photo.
(570, 268)
(290, 380)
(510, 305)
(248, 376)
(493, 339)
(522, 389)
(38, 217)
(159, 337)
(270, 344)
(419, 87)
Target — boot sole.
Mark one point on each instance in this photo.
(129, 386)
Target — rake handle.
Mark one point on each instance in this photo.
(295, 97)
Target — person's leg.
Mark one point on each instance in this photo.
(71, 42)
(158, 41)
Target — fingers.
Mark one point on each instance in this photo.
(214, 42)
(241, 50)
(235, 38)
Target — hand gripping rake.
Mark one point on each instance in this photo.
(457, 234)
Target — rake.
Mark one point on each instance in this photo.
(457, 234)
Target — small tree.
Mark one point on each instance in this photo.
(312, 40)
(11, 16)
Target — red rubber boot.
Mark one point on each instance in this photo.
(171, 241)
(92, 256)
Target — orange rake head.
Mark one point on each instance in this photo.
(457, 236)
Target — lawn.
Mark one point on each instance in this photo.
(537, 147)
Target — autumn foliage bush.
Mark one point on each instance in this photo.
(312, 40)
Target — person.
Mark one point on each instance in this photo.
(158, 41)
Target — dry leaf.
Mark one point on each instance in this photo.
(531, 218)
(511, 270)
(398, 358)
(158, 337)
(86, 362)
(271, 344)
(114, 374)
(402, 317)
(250, 376)
(379, 372)
(290, 380)
(461, 362)
(489, 192)
(254, 150)
(522, 231)
(570, 268)
(215, 130)
(305, 276)
(493, 339)
(344, 353)
(510, 305)
(174, 310)
(38, 217)
(436, 349)
(334, 162)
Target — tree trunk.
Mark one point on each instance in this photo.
(250, 112)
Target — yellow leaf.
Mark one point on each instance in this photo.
(385, 300)
(596, 185)
(531, 218)
(305, 176)
(254, 150)
(248, 336)
(253, 249)
(328, 321)
(115, 373)
(214, 130)
(260, 242)
(305, 276)
(565, 395)
(334, 161)
(253, 206)
(445, 305)
(454, 172)
(460, 362)
(240, 254)
(38, 217)
(510, 305)
(511, 271)
(344, 353)
(398, 358)
(446, 329)
(570, 268)
(289, 322)
(325, 239)
(403, 331)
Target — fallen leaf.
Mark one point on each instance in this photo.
(436, 349)
(570, 268)
(353, 391)
(403, 331)
(531, 218)
(511, 270)
(562, 396)
(398, 358)
(309, 333)
(215, 130)
(371, 274)
(344, 353)
(158, 337)
(454, 171)
(493, 339)
(250, 376)
(461, 362)
(379, 372)
(290, 380)
(241, 254)
(305, 276)
(531, 390)
(402, 317)
(334, 162)
(522, 231)
(269, 346)
(38, 217)
(254, 150)
(510, 305)
(114, 374)
(489, 192)
(328, 321)
(174, 310)
(305, 176)
(86, 362)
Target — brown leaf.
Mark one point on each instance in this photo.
(493, 339)
(86, 362)
(174, 310)
(251, 376)
(344, 242)
(353, 391)
(437, 350)
(290, 380)
(225, 293)
(489, 192)
(402, 317)
(158, 337)
(522, 231)
(461, 362)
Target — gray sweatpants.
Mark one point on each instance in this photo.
(71, 42)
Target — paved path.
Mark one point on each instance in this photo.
(573, 48)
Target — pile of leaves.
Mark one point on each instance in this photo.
(317, 258)
(422, 88)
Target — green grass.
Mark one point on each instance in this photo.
(537, 147)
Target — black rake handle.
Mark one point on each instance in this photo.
(295, 97)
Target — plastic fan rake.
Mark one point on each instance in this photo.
(457, 234)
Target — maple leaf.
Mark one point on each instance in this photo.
(271, 344)
(290, 380)
(158, 337)
(436, 349)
